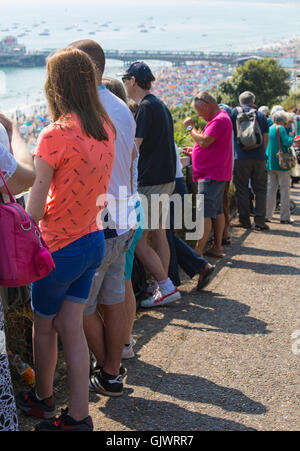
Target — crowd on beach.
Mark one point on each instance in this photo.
(176, 85)
(91, 136)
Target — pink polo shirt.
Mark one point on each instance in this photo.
(215, 161)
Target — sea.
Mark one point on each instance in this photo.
(206, 25)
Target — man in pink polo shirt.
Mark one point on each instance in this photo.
(212, 165)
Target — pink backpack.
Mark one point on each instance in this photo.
(24, 255)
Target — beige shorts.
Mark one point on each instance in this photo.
(108, 285)
(156, 204)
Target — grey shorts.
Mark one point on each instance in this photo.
(108, 285)
(213, 191)
(156, 211)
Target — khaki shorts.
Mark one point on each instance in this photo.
(156, 204)
(108, 285)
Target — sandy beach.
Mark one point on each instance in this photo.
(173, 85)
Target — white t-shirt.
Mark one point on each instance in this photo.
(8, 163)
(179, 173)
(122, 209)
(4, 140)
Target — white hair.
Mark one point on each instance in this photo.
(264, 110)
(291, 116)
(276, 108)
(280, 116)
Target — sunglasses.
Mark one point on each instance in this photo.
(200, 100)
(126, 77)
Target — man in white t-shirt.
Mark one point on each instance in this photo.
(108, 289)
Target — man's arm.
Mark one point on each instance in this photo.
(202, 140)
(138, 142)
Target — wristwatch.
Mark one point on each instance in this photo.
(189, 128)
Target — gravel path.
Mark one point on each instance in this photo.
(224, 359)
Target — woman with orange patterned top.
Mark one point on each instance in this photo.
(73, 159)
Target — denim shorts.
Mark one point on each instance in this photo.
(76, 265)
(213, 191)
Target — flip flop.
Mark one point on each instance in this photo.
(205, 277)
(226, 241)
(211, 253)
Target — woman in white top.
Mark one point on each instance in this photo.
(18, 170)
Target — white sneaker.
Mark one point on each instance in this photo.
(161, 297)
(128, 352)
(152, 286)
(132, 341)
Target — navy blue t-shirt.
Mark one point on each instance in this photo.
(255, 154)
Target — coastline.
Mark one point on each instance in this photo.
(175, 85)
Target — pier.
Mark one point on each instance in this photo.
(177, 58)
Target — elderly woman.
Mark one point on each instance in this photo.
(276, 175)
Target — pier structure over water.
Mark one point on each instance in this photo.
(178, 57)
(13, 54)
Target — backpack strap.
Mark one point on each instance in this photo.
(278, 137)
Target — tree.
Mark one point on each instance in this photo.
(265, 78)
(182, 138)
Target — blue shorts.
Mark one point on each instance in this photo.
(213, 191)
(76, 265)
(140, 217)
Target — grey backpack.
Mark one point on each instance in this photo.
(249, 134)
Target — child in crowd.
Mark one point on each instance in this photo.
(74, 159)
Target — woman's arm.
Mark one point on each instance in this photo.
(24, 175)
(38, 193)
(286, 140)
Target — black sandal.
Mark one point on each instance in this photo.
(204, 277)
(226, 241)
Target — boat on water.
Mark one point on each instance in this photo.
(44, 33)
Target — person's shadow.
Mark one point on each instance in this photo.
(190, 388)
(139, 414)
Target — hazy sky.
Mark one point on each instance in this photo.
(67, 3)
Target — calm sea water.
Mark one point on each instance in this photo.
(224, 25)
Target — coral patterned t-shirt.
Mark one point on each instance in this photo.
(82, 169)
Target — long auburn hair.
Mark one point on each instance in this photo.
(71, 87)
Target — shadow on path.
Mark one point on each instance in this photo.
(143, 415)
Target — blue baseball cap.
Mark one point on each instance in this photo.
(140, 71)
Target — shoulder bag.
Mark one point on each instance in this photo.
(24, 255)
(286, 159)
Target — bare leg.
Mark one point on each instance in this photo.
(150, 259)
(161, 247)
(69, 324)
(219, 224)
(130, 306)
(44, 354)
(114, 332)
(94, 332)
(200, 245)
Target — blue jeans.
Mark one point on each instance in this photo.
(180, 252)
